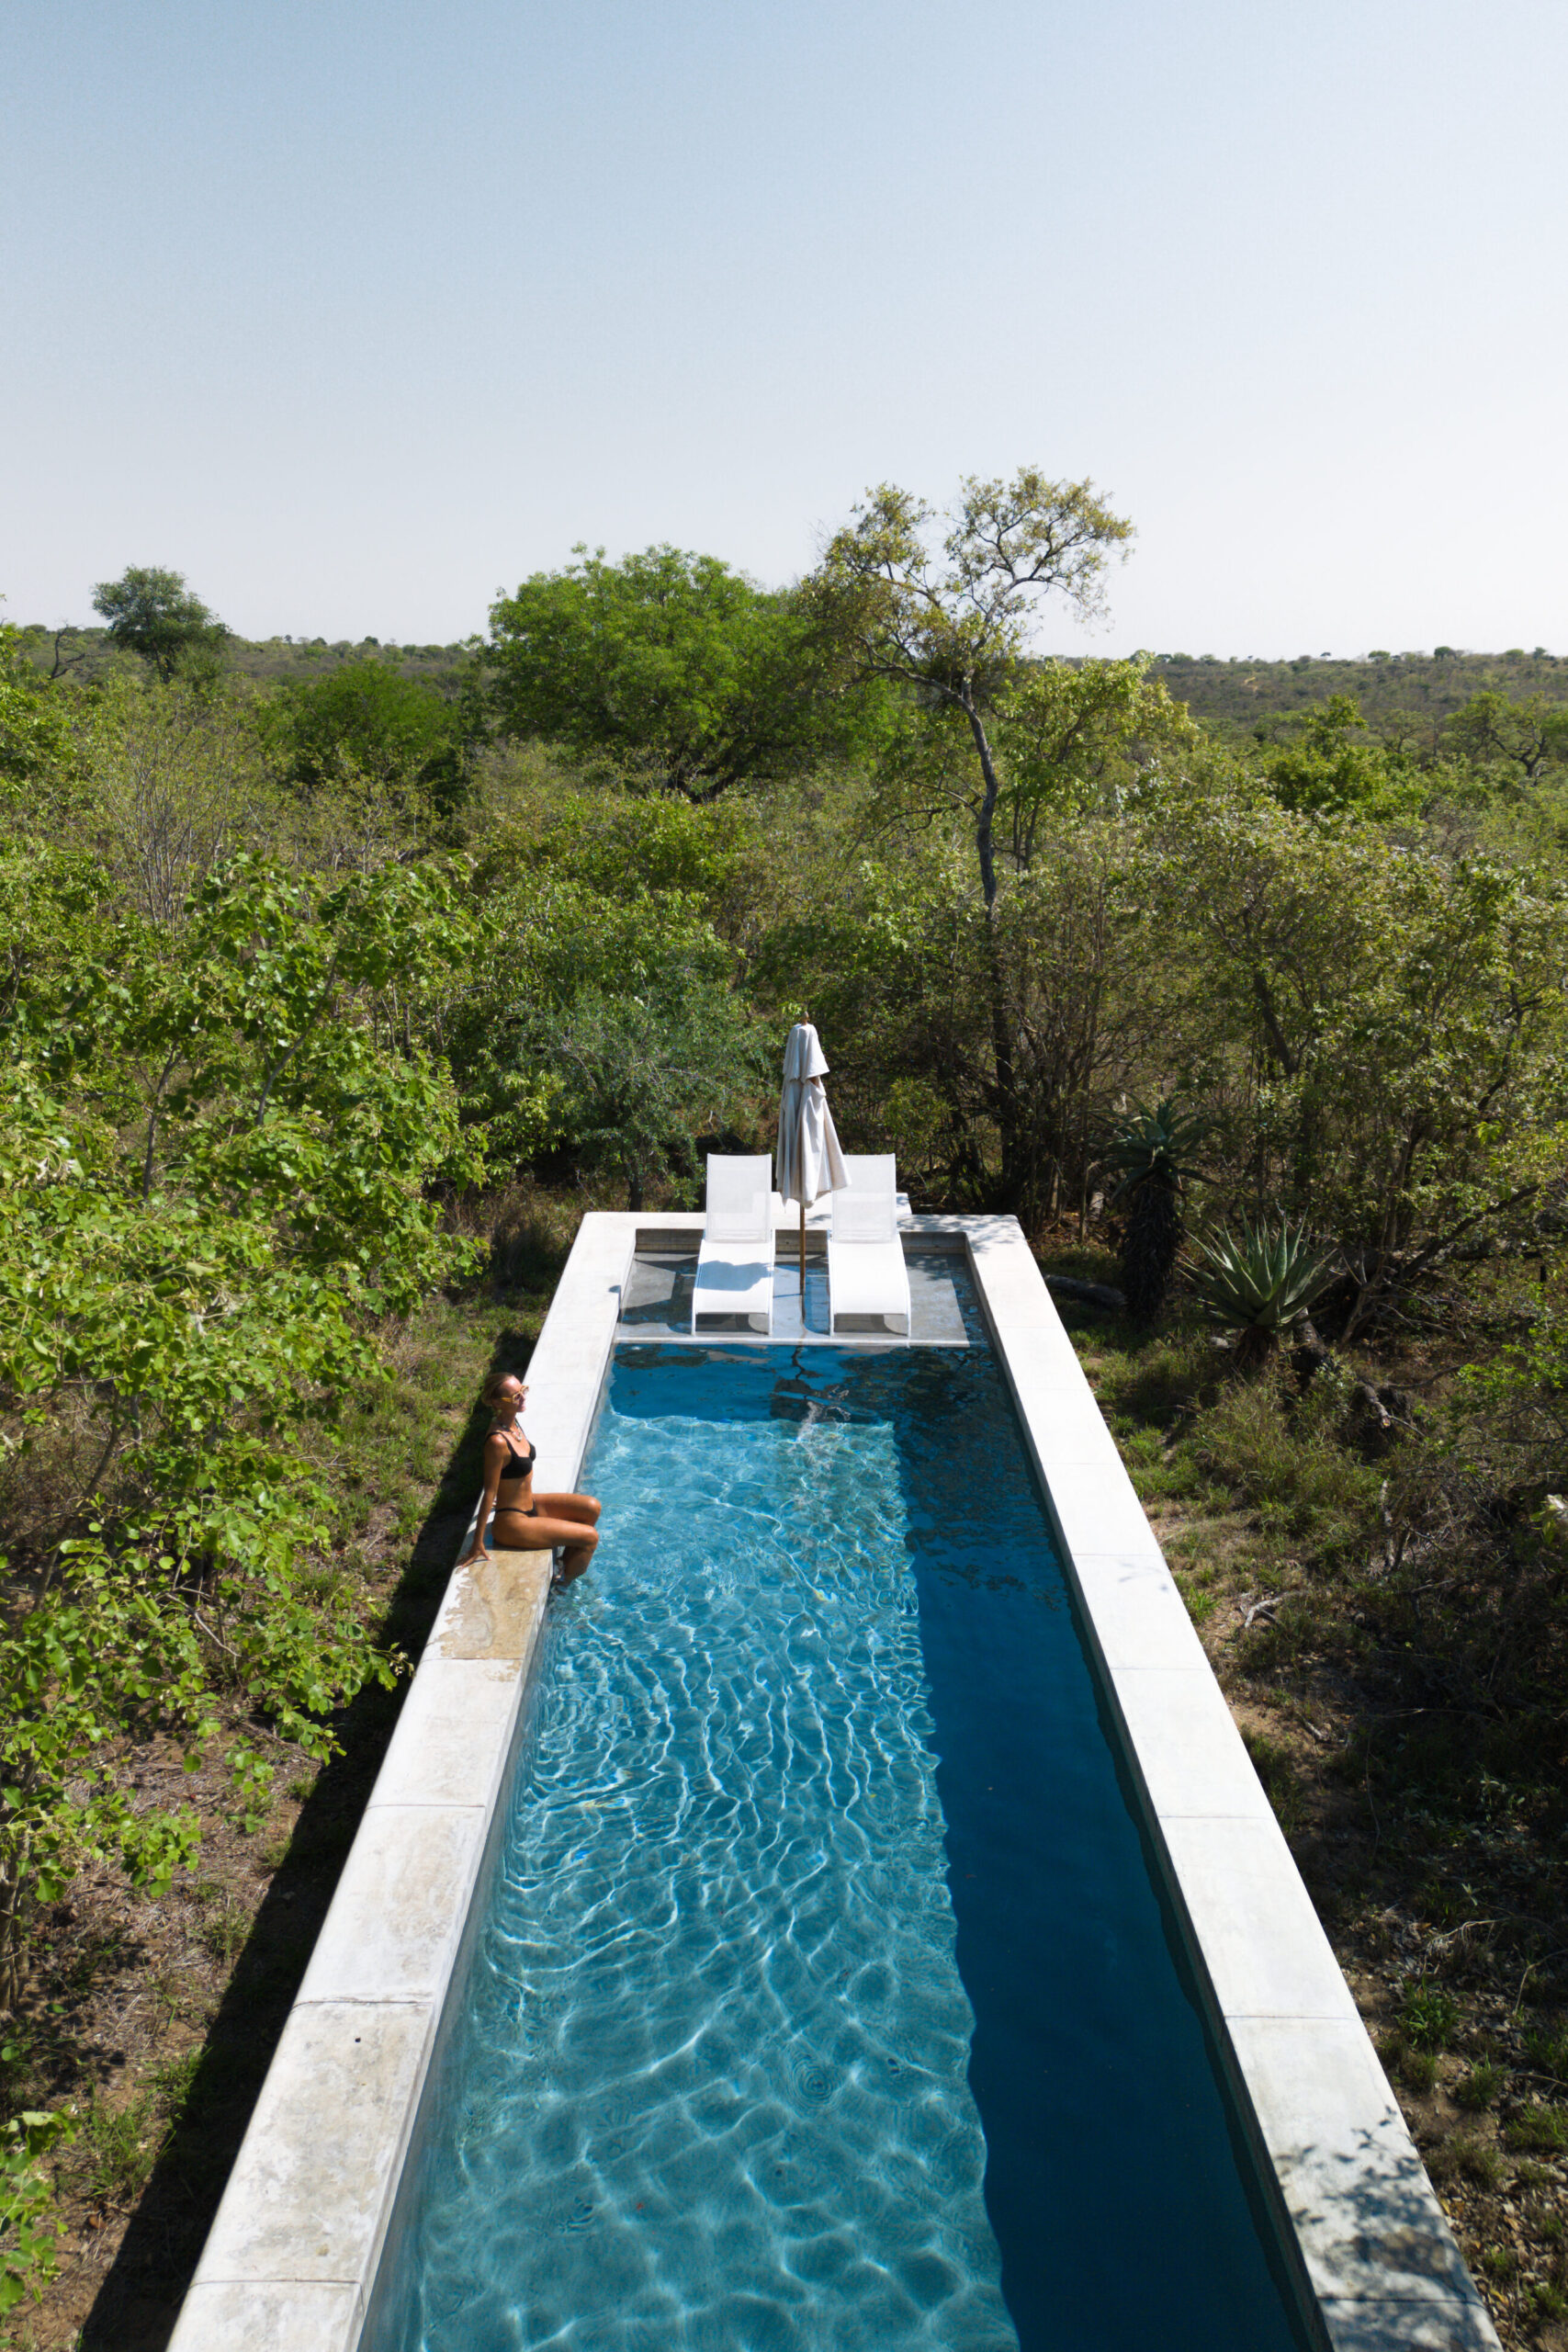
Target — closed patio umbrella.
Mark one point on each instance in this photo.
(810, 1160)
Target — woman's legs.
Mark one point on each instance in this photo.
(567, 1523)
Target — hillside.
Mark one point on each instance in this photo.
(1427, 687)
(85, 653)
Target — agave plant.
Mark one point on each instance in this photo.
(1152, 1150)
(1258, 1283)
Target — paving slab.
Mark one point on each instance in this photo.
(1186, 1747)
(1136, 1612)
(398, 1912)
(1262, 1943)
(1441, 2324)
(287, 2316)
(312, 2183)
(1364, 2213)
(454, 1729)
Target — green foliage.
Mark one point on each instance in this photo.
(153, 613)
(367, 724)
(173, 782)
(1284, 1459)
(673, 666)
(1546, 2047)
(1323, 762)
(1481, 2086)
(1150, 1150)
(211, 1172)
(644, 1075)
(35, 741)
(1384, 1022)
(1508, 739)
(1260, 1281)
(1538, 2128)
(29, 2235)
(1155, 1147)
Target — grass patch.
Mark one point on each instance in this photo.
(120, 2146)
(1538, 2128)
(1481, 2087)
(1429, 2017)
(1286, 1461)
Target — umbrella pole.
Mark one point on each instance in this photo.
(799, 1160)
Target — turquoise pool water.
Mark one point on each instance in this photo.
(825, 1998)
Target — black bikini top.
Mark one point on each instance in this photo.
(520, 1464)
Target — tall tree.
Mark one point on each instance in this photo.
(946, 612)
(366, 720)
(153, 613)
(680, 668)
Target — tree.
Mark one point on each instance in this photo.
(678, 668)
(34, 740)
(218, 1166)
(368, 721)
(950, 622)
(1324, 763)
(1152, 1150)
(153, 613)
(1518, 738)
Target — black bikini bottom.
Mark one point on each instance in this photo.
(531, 1512)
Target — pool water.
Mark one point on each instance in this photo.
(825, 1998)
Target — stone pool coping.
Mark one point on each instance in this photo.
(291, 2257)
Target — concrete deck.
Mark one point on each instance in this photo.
(290, 2261)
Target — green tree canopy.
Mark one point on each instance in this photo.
(674, 665)
(1322, 762)
(1522, 738)
(368, 721)
(949, 617)
(153, 613)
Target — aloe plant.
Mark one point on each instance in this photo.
(1152, 1149)
(1258, 1283)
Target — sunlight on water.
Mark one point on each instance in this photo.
(715, 2083)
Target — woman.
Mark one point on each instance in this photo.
(523, 1520)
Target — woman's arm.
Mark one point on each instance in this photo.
(494, 1448)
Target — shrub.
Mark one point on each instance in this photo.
(1258, 1283)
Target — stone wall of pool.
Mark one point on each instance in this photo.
(290, 2261)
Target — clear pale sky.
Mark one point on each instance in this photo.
(356, 314)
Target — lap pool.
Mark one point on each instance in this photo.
(825, 1995)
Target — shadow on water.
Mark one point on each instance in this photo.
(1120, 2185)
(136, 2308)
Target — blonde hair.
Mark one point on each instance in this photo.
(490, 1393)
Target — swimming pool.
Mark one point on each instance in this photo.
(826, 1995)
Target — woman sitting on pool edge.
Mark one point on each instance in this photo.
(526, 1522)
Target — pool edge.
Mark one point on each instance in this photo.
(1377, 2267)
(292, 2255)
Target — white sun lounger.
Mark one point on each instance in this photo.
(868, 1282)
(735, 1264)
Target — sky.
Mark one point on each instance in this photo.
(358, 314)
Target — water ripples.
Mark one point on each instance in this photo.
(710, 2090)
